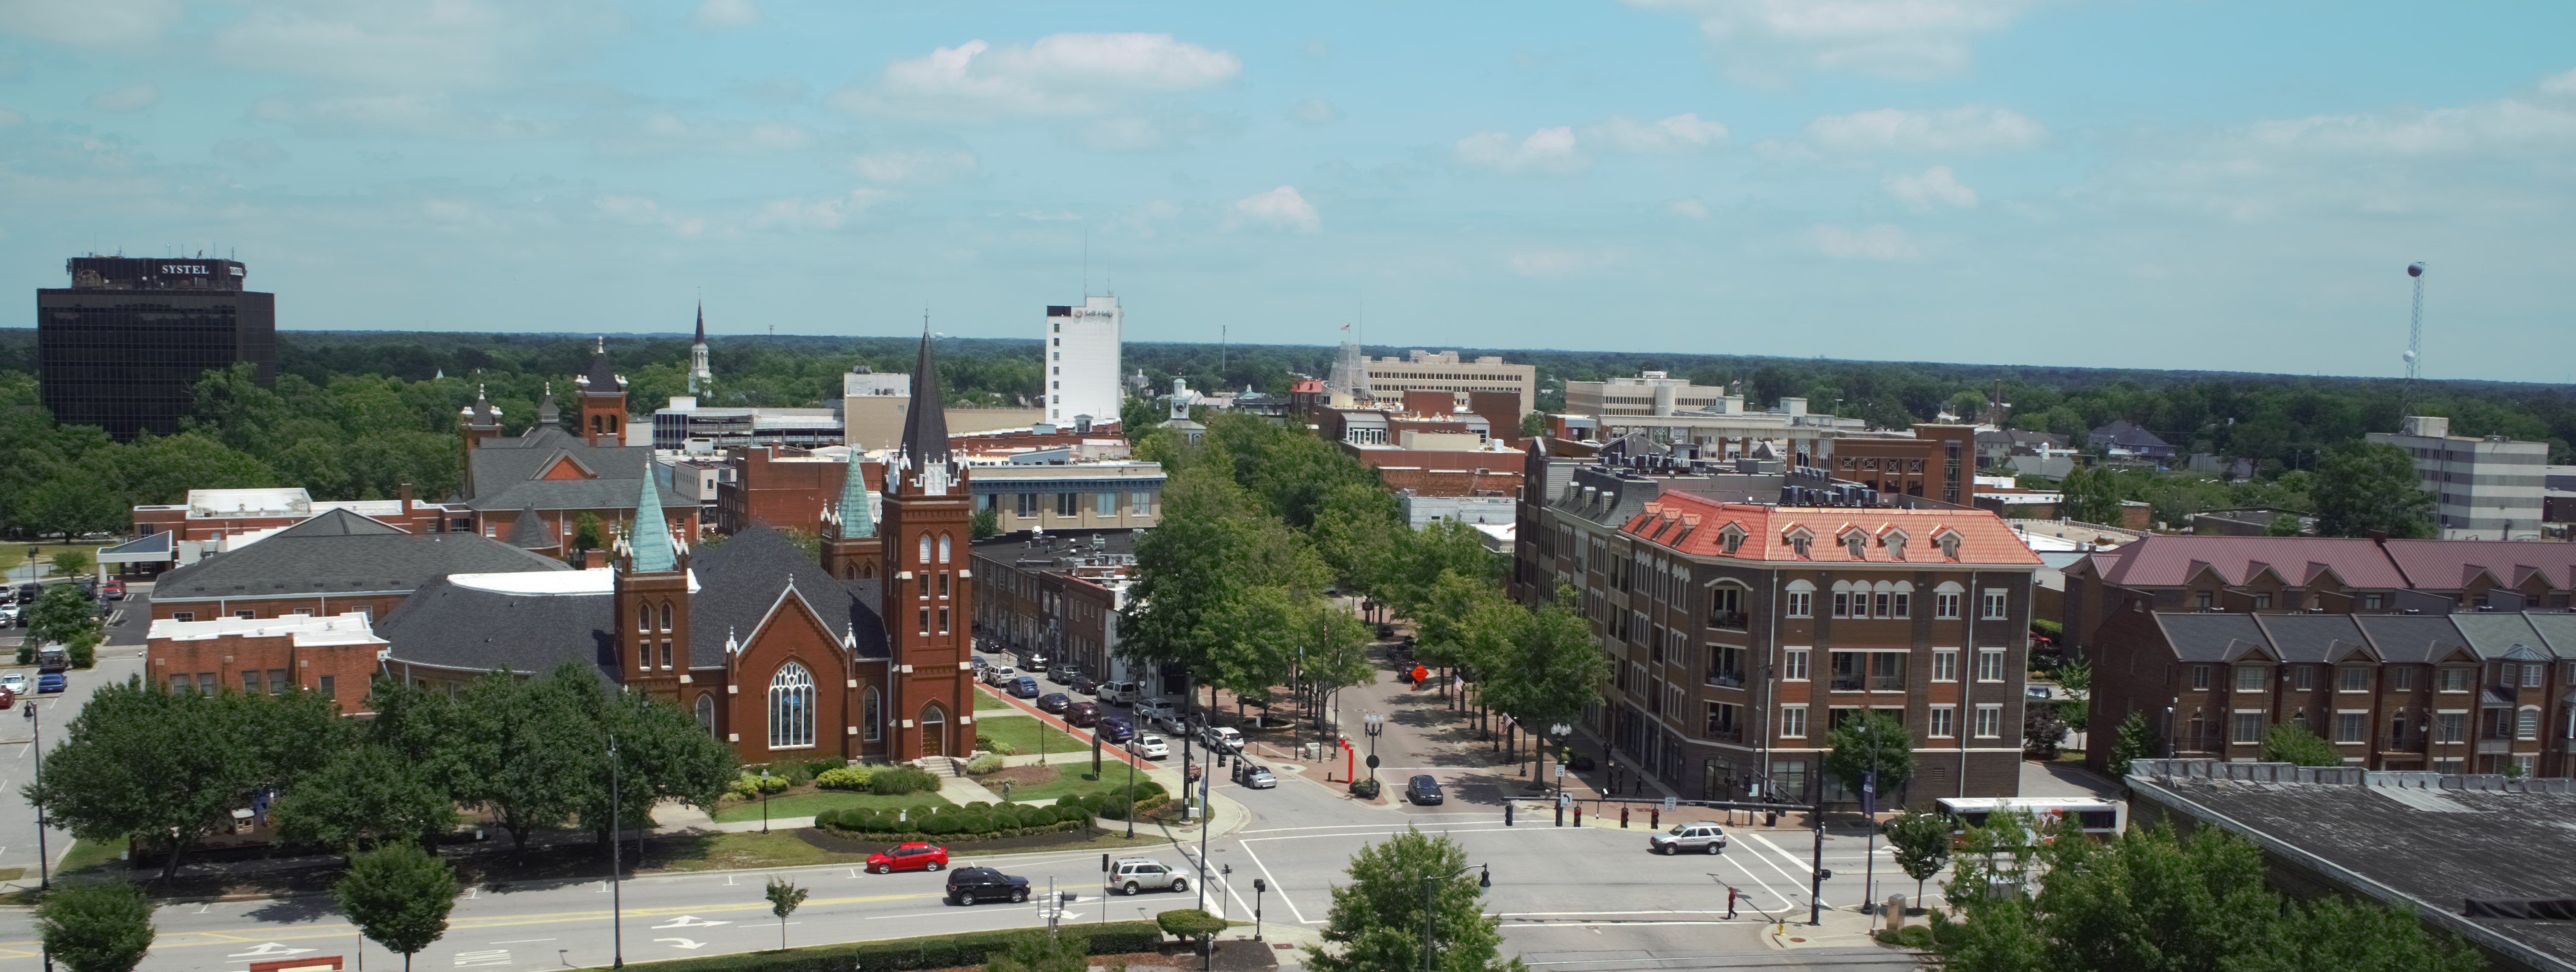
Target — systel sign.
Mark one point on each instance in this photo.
(189, 269)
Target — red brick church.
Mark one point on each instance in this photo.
(862, 652)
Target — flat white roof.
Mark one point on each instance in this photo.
(306, 629)
(550, 583)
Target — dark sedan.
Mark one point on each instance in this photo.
(967, 885)
(1114, 729)
(1054, 702)
(1424, 790)
(1082, 714)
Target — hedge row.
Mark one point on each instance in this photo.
(973, 820)
(928, 952)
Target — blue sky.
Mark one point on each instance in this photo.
(2170, 184)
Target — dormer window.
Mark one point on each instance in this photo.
(1949, 541)
(1894, 541)
(1730, 539)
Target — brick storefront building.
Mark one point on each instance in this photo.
(1743, 633)
(334, 655)
(1056, 595)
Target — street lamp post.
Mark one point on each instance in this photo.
(1374, 724)
(1431, 906)
(1131, 797)
(44, 859)
(616, 890)
(764, 799)
(1869, 810)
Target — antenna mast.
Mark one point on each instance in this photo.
(2414, 337)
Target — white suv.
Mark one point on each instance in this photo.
(1706, 838)
(1156, 711)
(1121, 693)
(1222, 739)
(1130, 875)
(1000, 674)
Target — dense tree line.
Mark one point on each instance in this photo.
(165, 767)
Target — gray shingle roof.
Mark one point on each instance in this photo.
(340, 552)
(446, 626)
(2411, 639)
(2310, 638)
(2492, 635)
(2207, 637)
(504, 473)
(530, 532)
(740, 579)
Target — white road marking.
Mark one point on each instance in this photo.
(1794, 881)
(498, 956)
(682, 943)
(270, 950)
(1275, 887)
(523, 941)
(689, 921)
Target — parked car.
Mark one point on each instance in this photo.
(1084, 685)
(114, 589)
(1254, 776)
(1080, 714)
(1064, 674)
(15, 682)
(1423, 790)
(2037, 691)
(999, 675)
(1133, 875)
(914, 856)
(1149, 746)
(1054, 702)
(1153, 711)
(979, 663)
(1120, 693)
(1706, 838)
(968, 885)
(1221, 739)
(1114, 729)
(29, 592)
(50, 683)
(7, 698)
(1034, 662)
(1024, 687)
(9, 613)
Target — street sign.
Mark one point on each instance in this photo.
(1564, 800)
(1560, 771)
(1671, 803)
(1372, 761)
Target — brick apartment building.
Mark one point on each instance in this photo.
(1056, 595)
(1743, 633)
(784, 486)
(335, 655)
(2447, 655)
(333, 564)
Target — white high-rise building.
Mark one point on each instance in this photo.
(1082, 349)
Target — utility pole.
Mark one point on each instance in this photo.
(616, 891)
(1816, 877)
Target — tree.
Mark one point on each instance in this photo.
(2090, 496)
(101, 927)
(2076, 678)
(783, 896)
(2042, 731)
(71, 501)
(1038, 951)
(1873, 739)
(2132, 741)
(2371, 486)
(529, 759)
(2291, 742)
(986, 524)
(368, 794)
(1378, 918)
(164, 767)
(1337, 656)
(72, 563)
(1556, 671)
(2285, 525)
(662, 752)
(1920, 841)
(64, 614)
(586, 533)
(398, 895)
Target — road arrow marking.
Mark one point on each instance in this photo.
(271, 948)
(683, 943)
(690, 921)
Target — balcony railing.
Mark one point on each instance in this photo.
(1730, 620)
(1726, 679)
(1848, 683)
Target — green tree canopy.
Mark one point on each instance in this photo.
(1920, 842)
(1873, 739)
(2133, 740)
(2291, 742)
(2371, 486)
(1377, 919)
(104, 926)
(399, 897)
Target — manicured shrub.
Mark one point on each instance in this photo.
(854, 778)
(1189, 923)
(937, 825)
(983, 764)
(899, 780)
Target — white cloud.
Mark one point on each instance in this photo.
(913, 166)
(1282, 208)
(92, 23)
(1060, 74)
(425, 115)
(714, 15)
(1688, 208)
(1551, 151)
(426, 46)
(1556, 263)
(1901, 39)
(2563, 85)
(822, 214)
(642, 211)
(132, 97)
(1935, 188)
(1138, 133)
(1972, 128)
(1675, 134)
(1881, 242)
(1314, 111)
(2496, 127)
(11, 119)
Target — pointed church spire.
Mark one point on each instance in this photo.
(700, 377)
(653, 553)
(702, 322)
(548, 414)
(925, 419)
(856, 519)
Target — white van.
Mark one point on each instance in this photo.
(1121, 693)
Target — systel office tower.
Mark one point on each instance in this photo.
(125, 345)
(1082, 361)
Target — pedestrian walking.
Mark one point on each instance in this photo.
(1730, 901)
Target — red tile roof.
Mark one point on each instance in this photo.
(1694, 525)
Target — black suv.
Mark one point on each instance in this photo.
(967, 885)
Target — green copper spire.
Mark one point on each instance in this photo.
(856, 522)
(652, 541)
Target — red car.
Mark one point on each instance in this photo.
(915, 856)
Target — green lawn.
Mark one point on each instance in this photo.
(90, 853)
(814, 802)
(1073, 779)
(1020, 732)
(986, 700)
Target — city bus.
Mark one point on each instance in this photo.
(2098, 818)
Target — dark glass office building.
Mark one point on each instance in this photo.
(124, 345)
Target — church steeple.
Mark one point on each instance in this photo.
(603, 401)
(925, 427)
(700, 377)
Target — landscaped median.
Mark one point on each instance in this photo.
(981, 820)
(926, 952)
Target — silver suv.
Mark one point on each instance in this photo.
(1705, 838)
(1131, 875)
